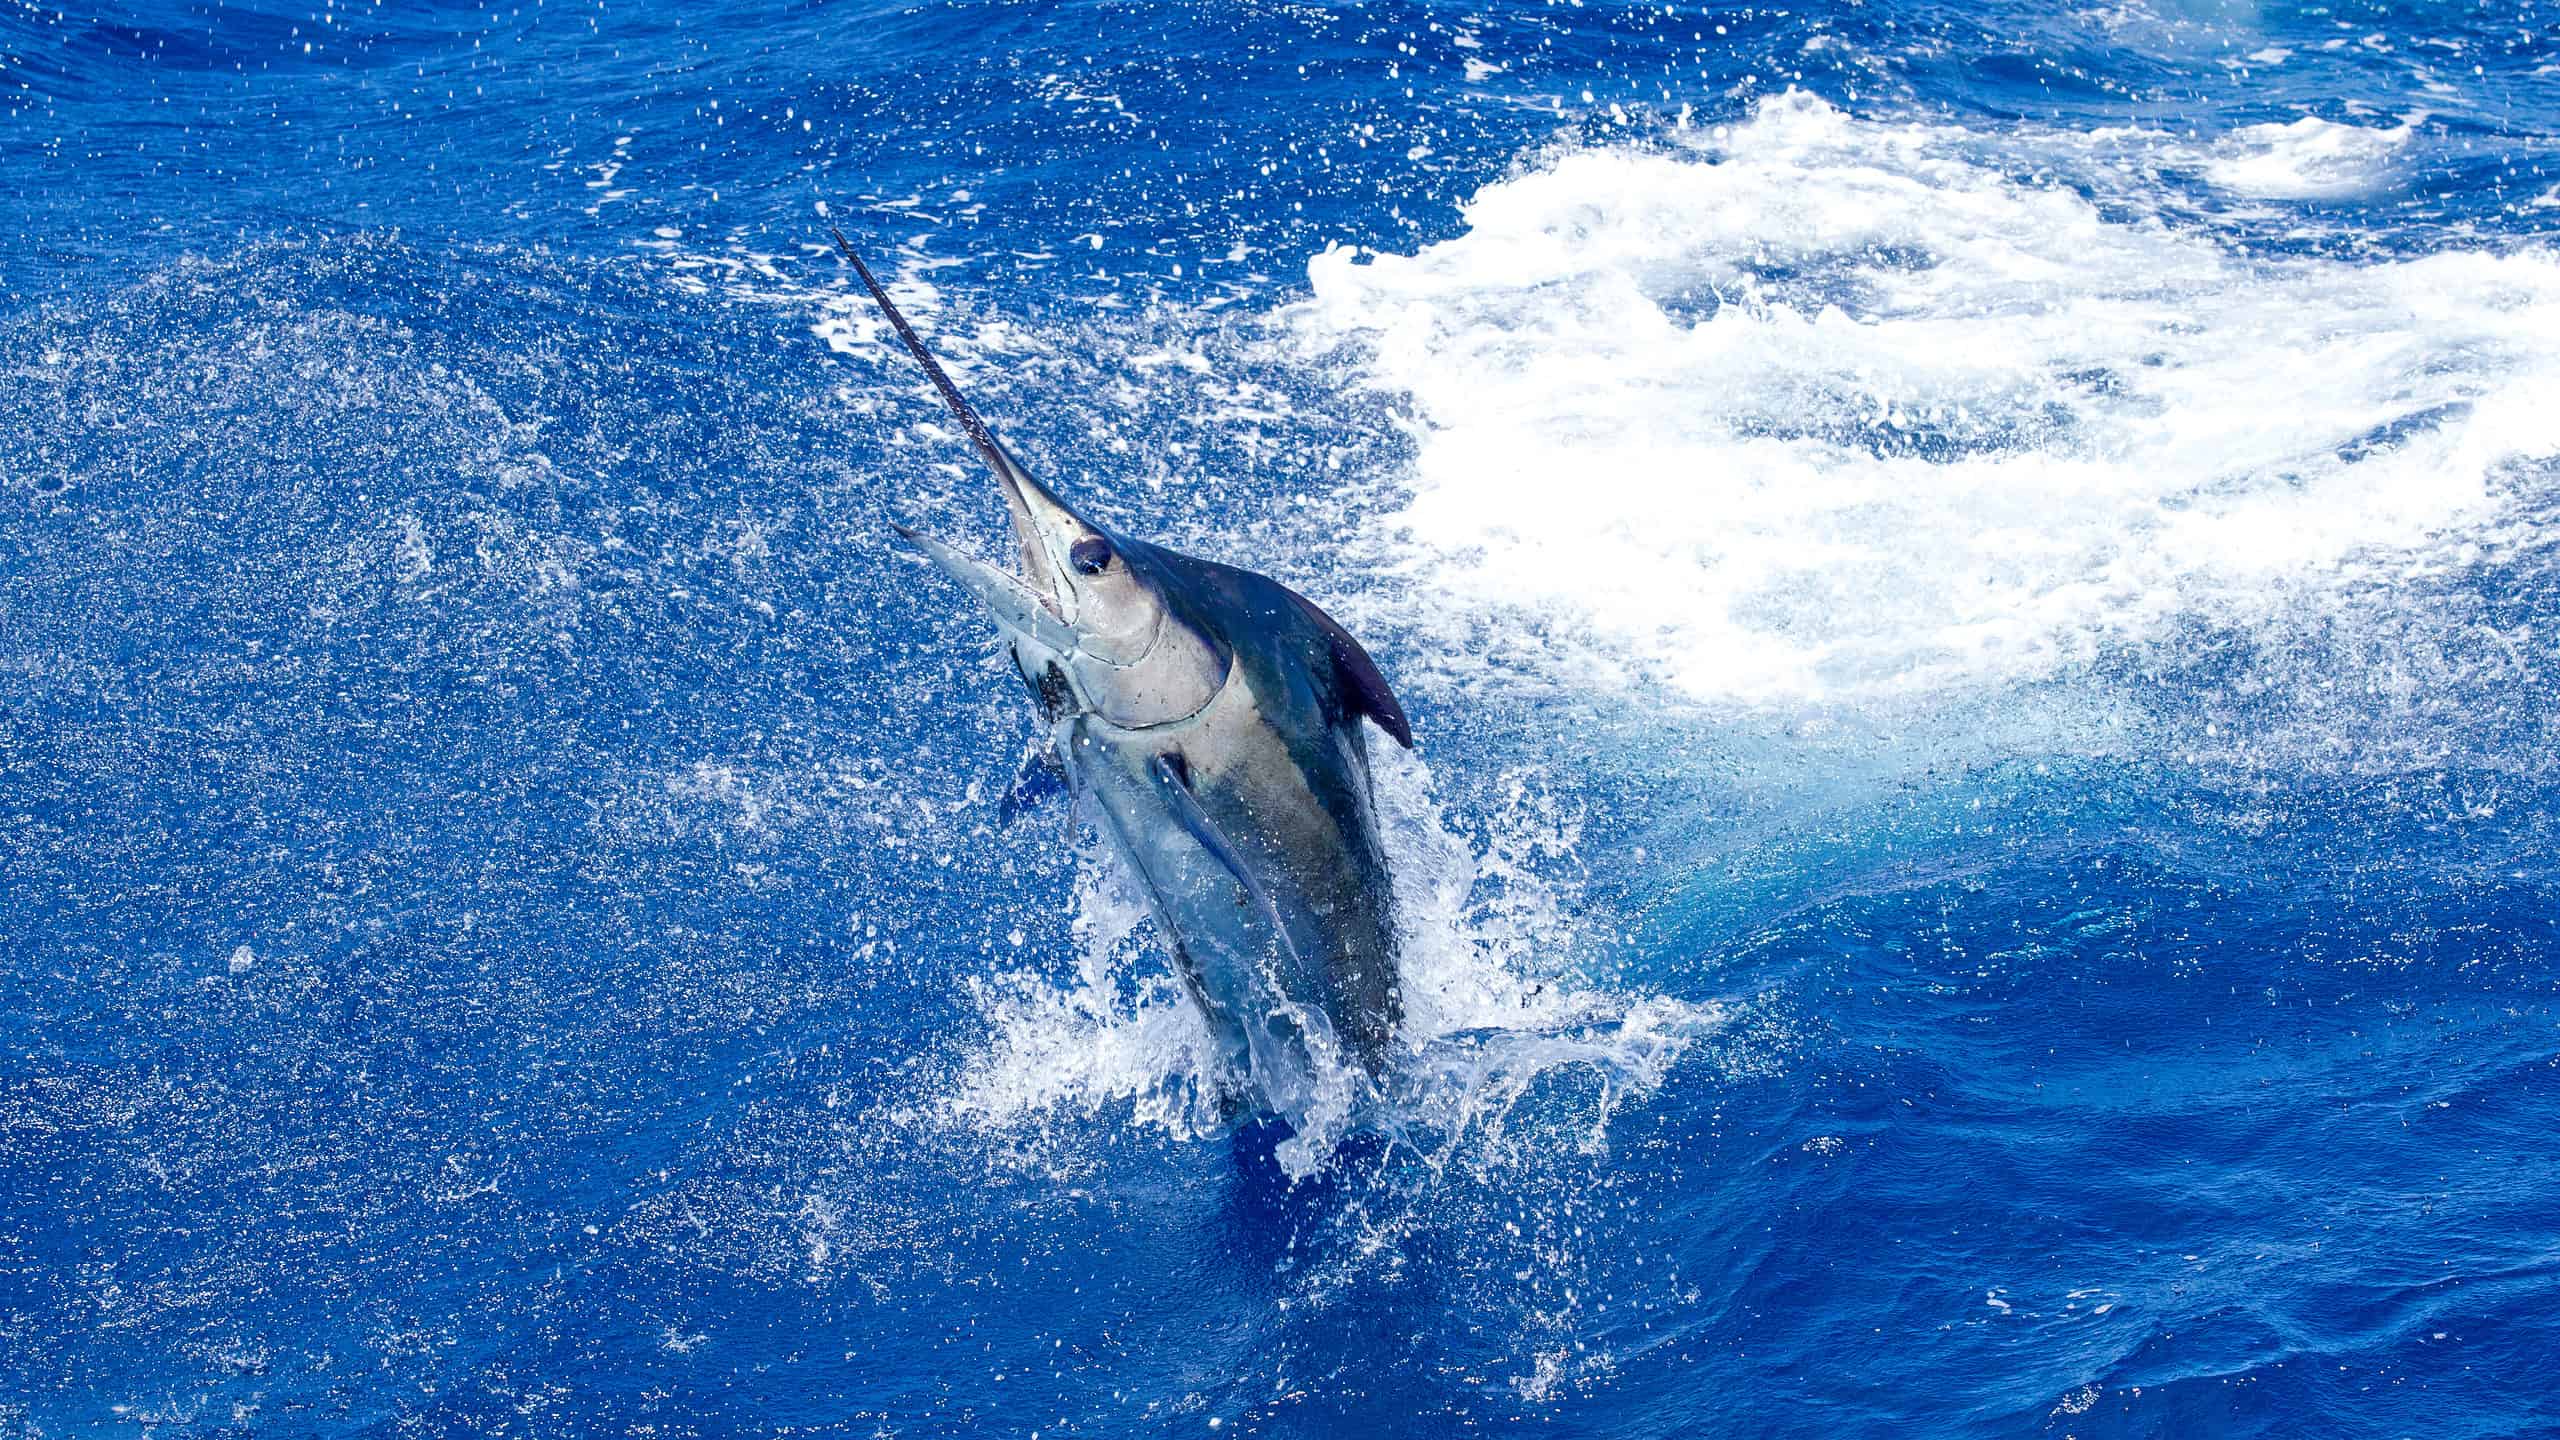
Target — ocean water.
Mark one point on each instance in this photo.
(1979, 585)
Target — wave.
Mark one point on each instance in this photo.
(1816, 408)
(2309, 158)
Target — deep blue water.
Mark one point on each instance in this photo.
(1979, 584)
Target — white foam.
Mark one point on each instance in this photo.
(1489, 956)
(1832, 409)
(2308, 159)
(1119, 1034)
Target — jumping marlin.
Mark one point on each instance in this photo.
(1209, 720)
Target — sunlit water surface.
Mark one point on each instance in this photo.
(1977, 583)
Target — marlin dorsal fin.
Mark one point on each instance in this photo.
(1363, 686)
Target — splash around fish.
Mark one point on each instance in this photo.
(1214, 728)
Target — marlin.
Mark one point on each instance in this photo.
(1212, 724)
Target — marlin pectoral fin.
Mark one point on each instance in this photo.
(1364, 688)
(1015, 606)
(1173, 782)
(1040, 778)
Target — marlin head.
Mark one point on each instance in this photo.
(1088, 617)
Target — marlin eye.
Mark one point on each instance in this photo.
(1090, 557)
